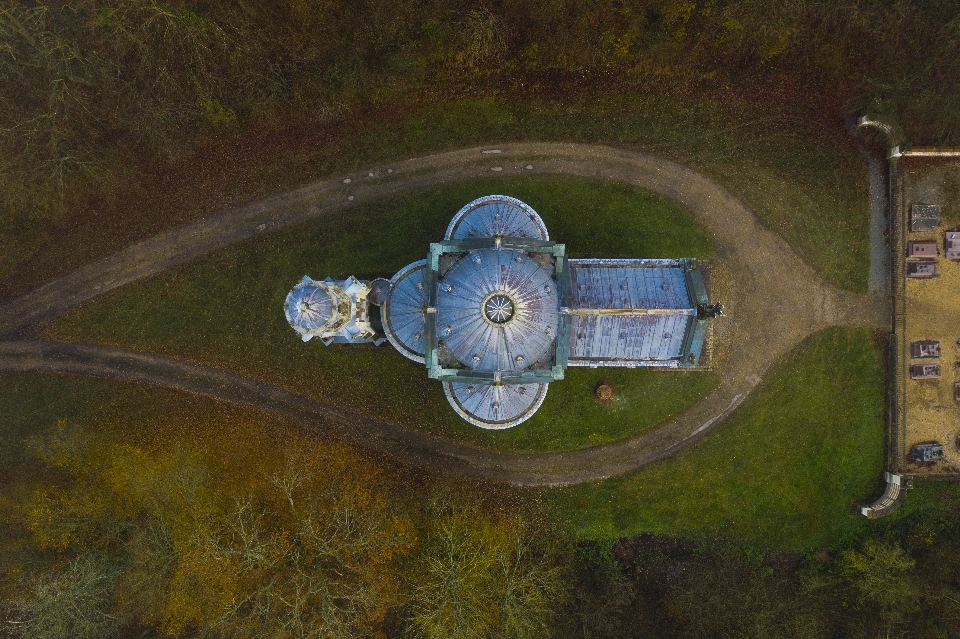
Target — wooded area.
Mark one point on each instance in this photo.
(85, 85)
(230, 540)
(228, 537)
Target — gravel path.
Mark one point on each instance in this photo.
(879, 279)
(773, 301)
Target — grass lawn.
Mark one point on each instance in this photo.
(805, 182)
(783, 473)
(120, 412)
(226, 310)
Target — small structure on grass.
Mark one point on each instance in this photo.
(922, 249)
(951, 245)
(925, 348)
(930, 452)
(918, 269)
(604, 392)
(956, 391)
(924, 371)
(497, 311)
(924, 217)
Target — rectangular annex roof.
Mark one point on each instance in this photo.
(924, 349)
(919, 269)
(635, 313)
(922, 249)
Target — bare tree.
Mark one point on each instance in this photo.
(71, 603)
(483, 38)
(311, 558)
(482, 574)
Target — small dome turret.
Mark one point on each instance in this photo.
(309, 308)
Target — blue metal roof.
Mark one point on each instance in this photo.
(403, 311)
(634, 313)
(493, 215)
(495, 407)
(497, 310)
(603, 339)
(629, 284)
(308, 306)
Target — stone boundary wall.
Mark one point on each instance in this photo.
(897, 391)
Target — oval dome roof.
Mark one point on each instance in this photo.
(496, 215)
(497, 310)
(309, 306)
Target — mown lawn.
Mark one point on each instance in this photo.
(226, 310)
(803, 181)
(783, 473)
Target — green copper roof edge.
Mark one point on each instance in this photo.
(694, 279)
(693, 343)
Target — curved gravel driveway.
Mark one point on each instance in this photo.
(773, 301)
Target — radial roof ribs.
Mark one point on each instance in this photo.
(464, 280)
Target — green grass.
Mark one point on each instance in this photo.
(783, 473)
(226, 310)
(805, 181)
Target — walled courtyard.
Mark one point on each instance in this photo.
(932, 308)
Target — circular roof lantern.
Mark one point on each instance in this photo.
(309, 307)
(499, 308)
(495, 407)
(496, 215)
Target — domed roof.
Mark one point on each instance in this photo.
(403, 311)
(496, 215)
(309, 306)
(495, 407)
(497, 310)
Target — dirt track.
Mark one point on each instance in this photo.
(772, 298)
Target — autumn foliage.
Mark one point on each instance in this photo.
(296, 542)
(245, 533)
